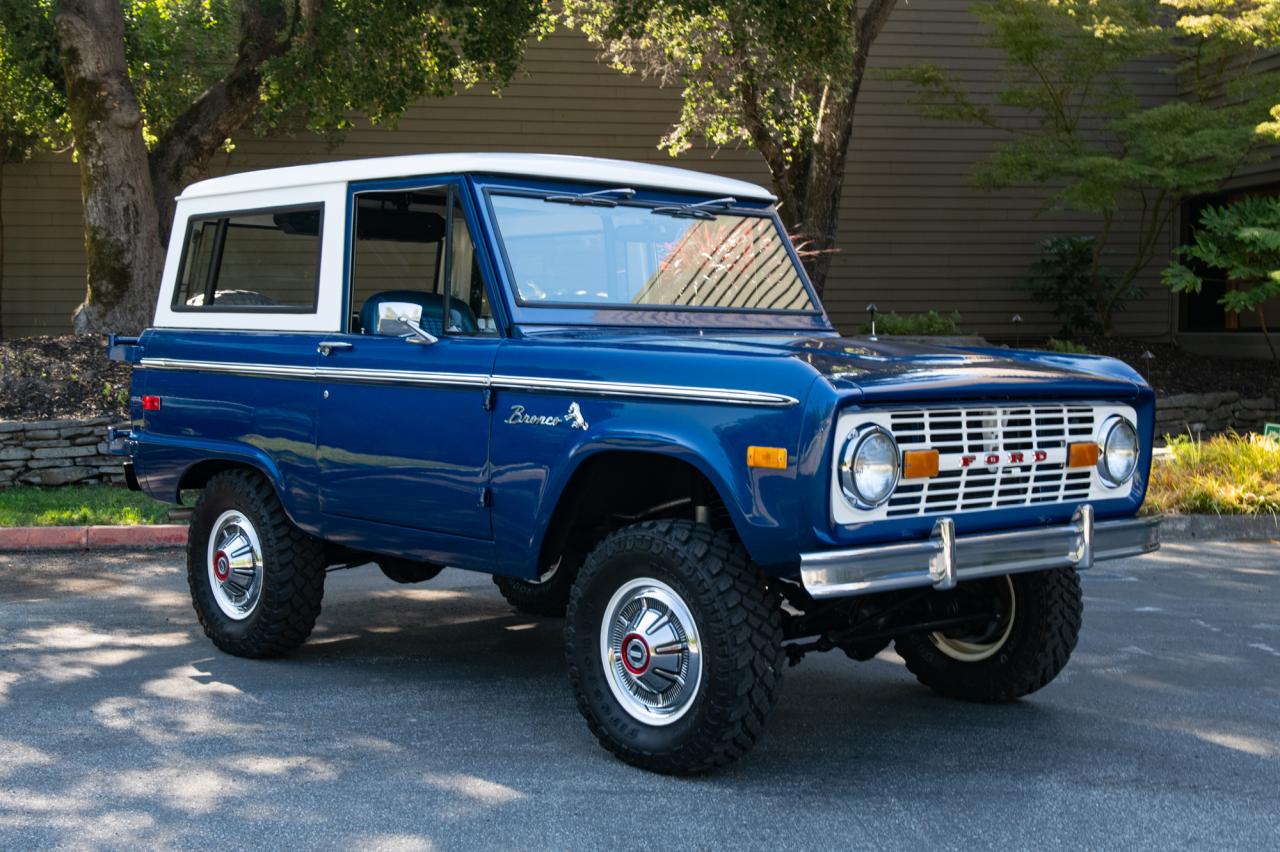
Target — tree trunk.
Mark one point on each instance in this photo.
(814, 184)
(4, 161)
(122, 235)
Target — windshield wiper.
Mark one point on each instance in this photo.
(697, 210)
(599, 198)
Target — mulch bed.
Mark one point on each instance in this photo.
(1173, 370)
(54, 378)
(46, 378)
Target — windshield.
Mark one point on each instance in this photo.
(625, 255)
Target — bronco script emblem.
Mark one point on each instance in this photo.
(573, 417)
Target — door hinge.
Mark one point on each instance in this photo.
(486, 497)
(486, 402)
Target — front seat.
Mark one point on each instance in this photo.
(461, 317)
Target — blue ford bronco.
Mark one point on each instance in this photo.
(612, 387)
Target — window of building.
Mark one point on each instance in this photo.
(414, 246)
(256, 261)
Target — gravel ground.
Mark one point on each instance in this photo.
(433, 717)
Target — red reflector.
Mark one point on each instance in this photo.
(151, 403)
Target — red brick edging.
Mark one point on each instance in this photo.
(92, 538)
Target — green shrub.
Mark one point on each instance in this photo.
(931, 324)
(1082, 292)
(1225, 475)
(1066, 347)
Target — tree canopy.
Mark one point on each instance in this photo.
(1075, 123)
(157, 87)
(783, 77)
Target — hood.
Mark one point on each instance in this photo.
(888, 369)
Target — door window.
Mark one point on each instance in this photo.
(414, 247)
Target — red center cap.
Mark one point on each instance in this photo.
(635, 654)
(221, 566)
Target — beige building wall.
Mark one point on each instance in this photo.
(915, 234)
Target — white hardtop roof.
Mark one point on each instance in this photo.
(555, 166)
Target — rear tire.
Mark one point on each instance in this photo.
(548, 595)
(674, 647)
(256, 580)
(1017, 655)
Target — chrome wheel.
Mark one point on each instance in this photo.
(976, 647)
(235, 565)
(651, 652)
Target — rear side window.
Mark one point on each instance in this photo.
(252, 261)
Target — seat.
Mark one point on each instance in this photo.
(460, 314)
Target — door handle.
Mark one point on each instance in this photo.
(327, 347)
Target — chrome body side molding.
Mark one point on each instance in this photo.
(945, 559)
(586, 387)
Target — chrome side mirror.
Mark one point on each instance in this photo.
(401, 319)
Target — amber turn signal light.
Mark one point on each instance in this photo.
(1082, 455)
(770, 457)
(919, 464)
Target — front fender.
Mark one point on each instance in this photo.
(534, 466)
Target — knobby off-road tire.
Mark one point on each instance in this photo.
(240, 509)
(1025, 655)
(548, 596)
(704, 576)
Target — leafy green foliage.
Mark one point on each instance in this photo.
(1076, 125)
(32, 116)
(1066, 347)
(77, 505)
(325, 61)
(931, 324)
(1068, 277)
(1225, 475)
(1242, 240)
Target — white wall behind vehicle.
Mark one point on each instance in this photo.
(328, 313)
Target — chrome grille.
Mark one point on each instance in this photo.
(992, 429)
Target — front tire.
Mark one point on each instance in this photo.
(256, 580)
(1037, 624)
(674, 647)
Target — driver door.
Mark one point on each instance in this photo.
(403, 428)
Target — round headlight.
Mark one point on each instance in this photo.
(869, 467)
(1119, 452)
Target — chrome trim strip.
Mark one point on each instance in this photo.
(632, 389)
(945, 559)
(479, 380)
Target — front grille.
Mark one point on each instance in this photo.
(992, 429)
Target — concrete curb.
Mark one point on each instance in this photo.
(1220, 527)
(91, 538)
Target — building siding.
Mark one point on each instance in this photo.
(915, 234)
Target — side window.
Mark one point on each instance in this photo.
(413, 246)
(259, 260)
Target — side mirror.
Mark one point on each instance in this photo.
(401, 319)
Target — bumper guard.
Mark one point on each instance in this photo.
(945, 559)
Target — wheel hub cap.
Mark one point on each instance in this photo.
(235, 565)
(651, 652)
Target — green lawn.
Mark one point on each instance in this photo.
(75, 505)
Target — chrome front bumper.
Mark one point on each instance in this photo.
(945, 559)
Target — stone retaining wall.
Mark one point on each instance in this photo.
(57, 452)
(1205, 414)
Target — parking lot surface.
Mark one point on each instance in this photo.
(434, 717)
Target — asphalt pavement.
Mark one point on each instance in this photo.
(434, 717)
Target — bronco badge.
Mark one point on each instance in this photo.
(573, 417)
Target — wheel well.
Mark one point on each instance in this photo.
(199, 474)
(613, 489)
